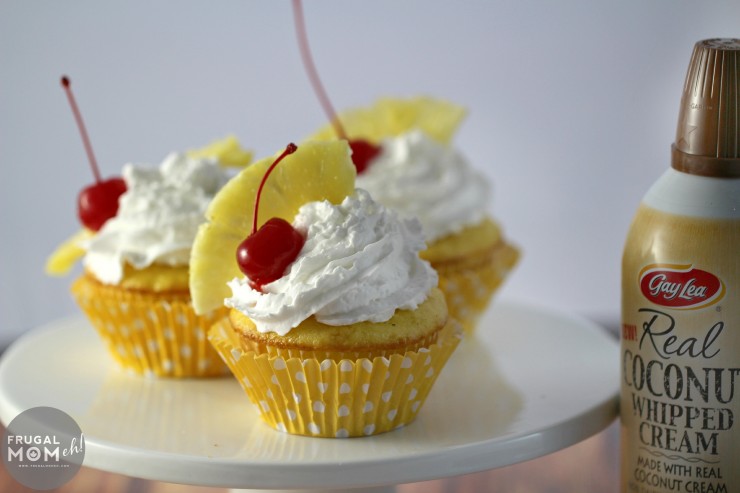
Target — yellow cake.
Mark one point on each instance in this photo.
(407, 330)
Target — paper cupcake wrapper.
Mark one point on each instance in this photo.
(151, 334)
(468, 290)
(328, 398)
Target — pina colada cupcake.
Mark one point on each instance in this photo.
(135, 249)
(335, 326)
(135, 285)
(418, 173)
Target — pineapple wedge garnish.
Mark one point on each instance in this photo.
(228, 151)
(316, 171)
(67, 254)
(391, 117)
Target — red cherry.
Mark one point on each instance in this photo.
(265, 254)
(362, 151)
(98, 202)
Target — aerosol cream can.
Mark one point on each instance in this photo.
(680, 340)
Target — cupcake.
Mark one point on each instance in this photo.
(348, 334)
(418, 173)
(135, 284)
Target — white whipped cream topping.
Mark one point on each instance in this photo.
(419, 177)
(158, 216)
(359, 263)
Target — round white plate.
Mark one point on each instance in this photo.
(531, 381)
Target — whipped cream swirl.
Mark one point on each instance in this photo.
(158, 216)
(359, 263)
(419, 177)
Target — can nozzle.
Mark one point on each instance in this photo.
(708, 134)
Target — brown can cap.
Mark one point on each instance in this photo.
(708, 133)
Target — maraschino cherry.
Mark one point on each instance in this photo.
(269, 250)
(98, 202)
(362, 151)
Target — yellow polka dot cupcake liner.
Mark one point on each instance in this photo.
(469, 287)
(336, 398)
(149, 333)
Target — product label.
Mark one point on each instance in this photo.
(680, 286)
(681, 355)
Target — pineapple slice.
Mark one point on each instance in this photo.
(316, 171)
(67, 254)
(390, 117)
(228, 151)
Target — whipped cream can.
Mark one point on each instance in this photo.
(680, 341)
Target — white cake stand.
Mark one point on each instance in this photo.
(530, 382)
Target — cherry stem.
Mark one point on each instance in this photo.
(313, 75)
(289, 149)
(66, 83)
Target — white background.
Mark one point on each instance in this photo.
(573, 108)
